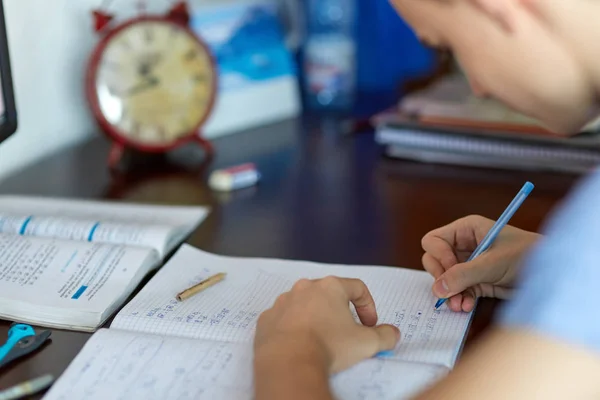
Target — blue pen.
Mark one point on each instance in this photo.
(498, 226)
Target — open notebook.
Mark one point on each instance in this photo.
(72, 263)
(158, 348)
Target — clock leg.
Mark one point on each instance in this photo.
(115, 155)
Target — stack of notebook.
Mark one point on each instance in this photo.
(447, 124)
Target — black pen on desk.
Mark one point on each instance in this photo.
(498, 226)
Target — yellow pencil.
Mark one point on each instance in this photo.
(186, 294)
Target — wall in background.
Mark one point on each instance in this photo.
(50, 42)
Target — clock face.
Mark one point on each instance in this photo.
(154, 83)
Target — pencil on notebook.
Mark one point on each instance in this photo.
(201, 286)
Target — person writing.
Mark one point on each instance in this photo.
(541, 58)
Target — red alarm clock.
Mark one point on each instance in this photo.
(151, 82)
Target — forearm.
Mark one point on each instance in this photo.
(510, 364)
(291, 370)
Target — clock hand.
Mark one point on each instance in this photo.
(144, 69)
(147, 65)
(150, 83)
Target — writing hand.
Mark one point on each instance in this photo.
(492, 274)
(315, 315)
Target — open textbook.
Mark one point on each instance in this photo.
(72, 263)
(159, 348)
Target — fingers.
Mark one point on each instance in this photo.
(352, 290)
(462, 276)
(468, 303)
(439, 251)
(463, 234)
(455, 303)
(432, 265)
(358, 294)
(460, 237)
(376, 339)
(491, 290)
(388, 337)
(362, 342)
(466, 300)
(502, 293)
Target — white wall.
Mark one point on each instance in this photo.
(50, 41)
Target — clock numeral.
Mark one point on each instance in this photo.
(125, 43)
(136, 129)
(148, 35)
(200, 78)
(191, 55)
(162, 133)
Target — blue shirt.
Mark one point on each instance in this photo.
(559, 288)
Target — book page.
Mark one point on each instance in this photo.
(66, 283)
(151, 236)
(386, 379)
(157, 227)
(228, 311)
(124, 365)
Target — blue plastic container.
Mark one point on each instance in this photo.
(388, 51)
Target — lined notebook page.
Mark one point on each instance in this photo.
(228, 311)
(124, 365)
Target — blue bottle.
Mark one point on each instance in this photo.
(329, 56)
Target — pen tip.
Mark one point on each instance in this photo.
(439, 303)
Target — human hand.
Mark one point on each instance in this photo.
(492, 274)
(315, 316)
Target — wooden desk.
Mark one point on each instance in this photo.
(324, 197)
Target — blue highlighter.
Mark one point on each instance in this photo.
(388, 353)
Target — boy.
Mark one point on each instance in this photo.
(540, 57)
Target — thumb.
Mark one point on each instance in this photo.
(388, 337)
(365, 342)
(459, 278)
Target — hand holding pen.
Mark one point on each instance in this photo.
(456, 256)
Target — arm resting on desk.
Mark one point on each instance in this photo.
(293, 370)
(507, 364)
(518, 364)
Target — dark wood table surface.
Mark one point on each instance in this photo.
(325, 196)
